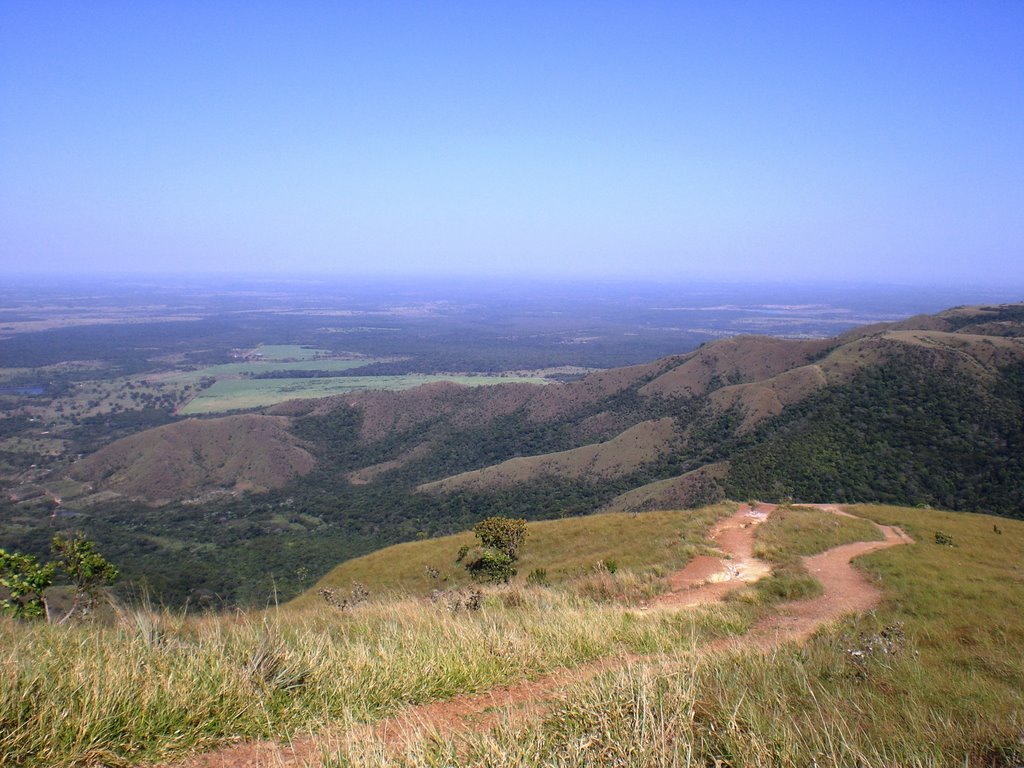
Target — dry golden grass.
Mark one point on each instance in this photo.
(156, 685)
(933, 678)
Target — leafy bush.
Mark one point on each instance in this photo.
(492, 567)
(25, 581)
(494, 561)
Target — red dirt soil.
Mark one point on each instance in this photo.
(704, 580)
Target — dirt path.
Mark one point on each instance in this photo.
(845, 590)
(704, 580)
(707, 579)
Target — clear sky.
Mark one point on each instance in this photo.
(715, 139)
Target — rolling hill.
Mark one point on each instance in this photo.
(928, 411)
(934, 401)
(190, 457)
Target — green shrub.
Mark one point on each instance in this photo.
(501, 533)
(494, 560)
(25, 581)
(492, 567)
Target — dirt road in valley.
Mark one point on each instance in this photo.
(704, 580)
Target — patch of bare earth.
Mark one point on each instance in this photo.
(704, 580)
(845, 591)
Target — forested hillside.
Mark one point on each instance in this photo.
(928, 411)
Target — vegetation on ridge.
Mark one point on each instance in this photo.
(933, 678)
(912, 413)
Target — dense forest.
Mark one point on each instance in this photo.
(904, 432)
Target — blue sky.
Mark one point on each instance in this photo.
(870, 141)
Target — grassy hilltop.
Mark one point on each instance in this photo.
(647, 546)
(933, 677)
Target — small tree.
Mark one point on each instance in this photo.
(25, 580)
(501, 533)
(87, 569)
(495, 558)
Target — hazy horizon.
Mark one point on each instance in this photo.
(866, 142)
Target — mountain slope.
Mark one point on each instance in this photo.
(190, 457)
(926, 411)
(788, 417)
(621, 456)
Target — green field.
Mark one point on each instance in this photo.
(239, 394)
(228, 370)
(290, 352)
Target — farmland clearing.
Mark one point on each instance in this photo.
(239, 394)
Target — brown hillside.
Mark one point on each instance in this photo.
(776, 374)
(972, 353)
(190, 457)
(737, 360)
(385, 412)
(763, 399)
(693, 489)
(642, 443)
(921, 323)
(552, 402)
(752, 377)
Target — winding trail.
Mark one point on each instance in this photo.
(845, 590)
(705, 579)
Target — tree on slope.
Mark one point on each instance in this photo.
(25, 580)
(500, 539)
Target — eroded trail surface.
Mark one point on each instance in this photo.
(846, 590)
(705, 579)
